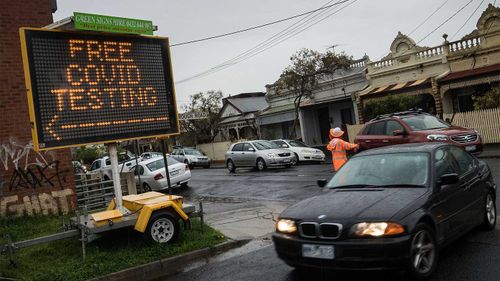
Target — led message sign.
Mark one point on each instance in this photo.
(90, 88)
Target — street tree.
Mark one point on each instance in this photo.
(201, 125)
(490, 99)
(306, 70)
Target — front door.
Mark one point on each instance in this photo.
(324, 123)
(248, 155)
(346, 116)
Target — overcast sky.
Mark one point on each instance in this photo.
(366, 26)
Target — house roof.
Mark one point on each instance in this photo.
(248, 102)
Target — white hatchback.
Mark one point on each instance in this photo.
(302, 151)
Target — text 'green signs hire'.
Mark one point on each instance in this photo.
(85, 21)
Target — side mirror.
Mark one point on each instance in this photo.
(321, 183)
(448, 179)
(398, 133)
(284, 146)
(251, 149)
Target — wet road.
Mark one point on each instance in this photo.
(473, 257)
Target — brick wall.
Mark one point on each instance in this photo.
(30, 183)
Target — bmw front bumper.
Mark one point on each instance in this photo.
(359, 254)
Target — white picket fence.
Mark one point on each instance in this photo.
(486, 122)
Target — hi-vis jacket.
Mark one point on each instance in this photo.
(338, 147)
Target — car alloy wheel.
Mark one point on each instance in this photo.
(261, 165)
(230, 166)
(147, 188)
(490, 216)
(423, 252)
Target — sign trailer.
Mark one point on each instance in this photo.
(99, 87)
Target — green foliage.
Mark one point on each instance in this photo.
(202, 130)
(88, 153)
(117, 250)
(390, 104)
(307, 68)
(491, 99)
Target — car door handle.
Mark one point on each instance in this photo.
(368, 141)
(385, 141)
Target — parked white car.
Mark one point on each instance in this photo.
(191, 156)
(302, 151)
(103, 165)
(149, 155)
(153, 175)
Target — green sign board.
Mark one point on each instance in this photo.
(85, 21)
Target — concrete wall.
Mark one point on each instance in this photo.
(216, 150)
(30, 182)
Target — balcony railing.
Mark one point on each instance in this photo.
(432, 53)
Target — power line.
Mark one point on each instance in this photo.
(255, 27)
(443, 23)
(468, 19)
(271, 42)
(433, 13)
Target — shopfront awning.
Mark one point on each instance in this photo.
(394, 87)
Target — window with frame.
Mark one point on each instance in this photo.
(281, 143)
(392, 126)
(377, 128)
(463, 159)
(444, 163)
(237, 147)
(248, 147)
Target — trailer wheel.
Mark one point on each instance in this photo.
(163, 227)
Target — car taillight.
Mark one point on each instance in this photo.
(158, 177)
(187, 167)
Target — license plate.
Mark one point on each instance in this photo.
(286, 161)
(470, 148)
(318, 251)
(174, 173)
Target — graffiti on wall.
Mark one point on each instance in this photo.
(23, 168)
(31, 169)
(55, 202)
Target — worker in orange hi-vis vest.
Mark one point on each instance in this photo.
(338, 147)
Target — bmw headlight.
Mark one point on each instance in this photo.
(437, 137)
(286, 226)
(376, 229)
(271, 155)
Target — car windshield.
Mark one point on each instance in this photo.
(297, 144)
(263, 145)
(159, 164)
(408, 169)
(192, 152)
(425, 122)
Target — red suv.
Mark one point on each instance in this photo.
(415, 126)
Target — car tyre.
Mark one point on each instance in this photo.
(184, 185)
(163, 227)
(423, 252)
(490, 214)
(296, 160)
(230, 166)
(261, 164)
(146, 187)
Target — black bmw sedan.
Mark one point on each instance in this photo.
(390, 208)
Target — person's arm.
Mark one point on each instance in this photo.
(350, 146)
(330, 146)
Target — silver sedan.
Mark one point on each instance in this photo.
(259, 153)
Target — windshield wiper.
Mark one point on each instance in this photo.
(354, 186)
(400, 185)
